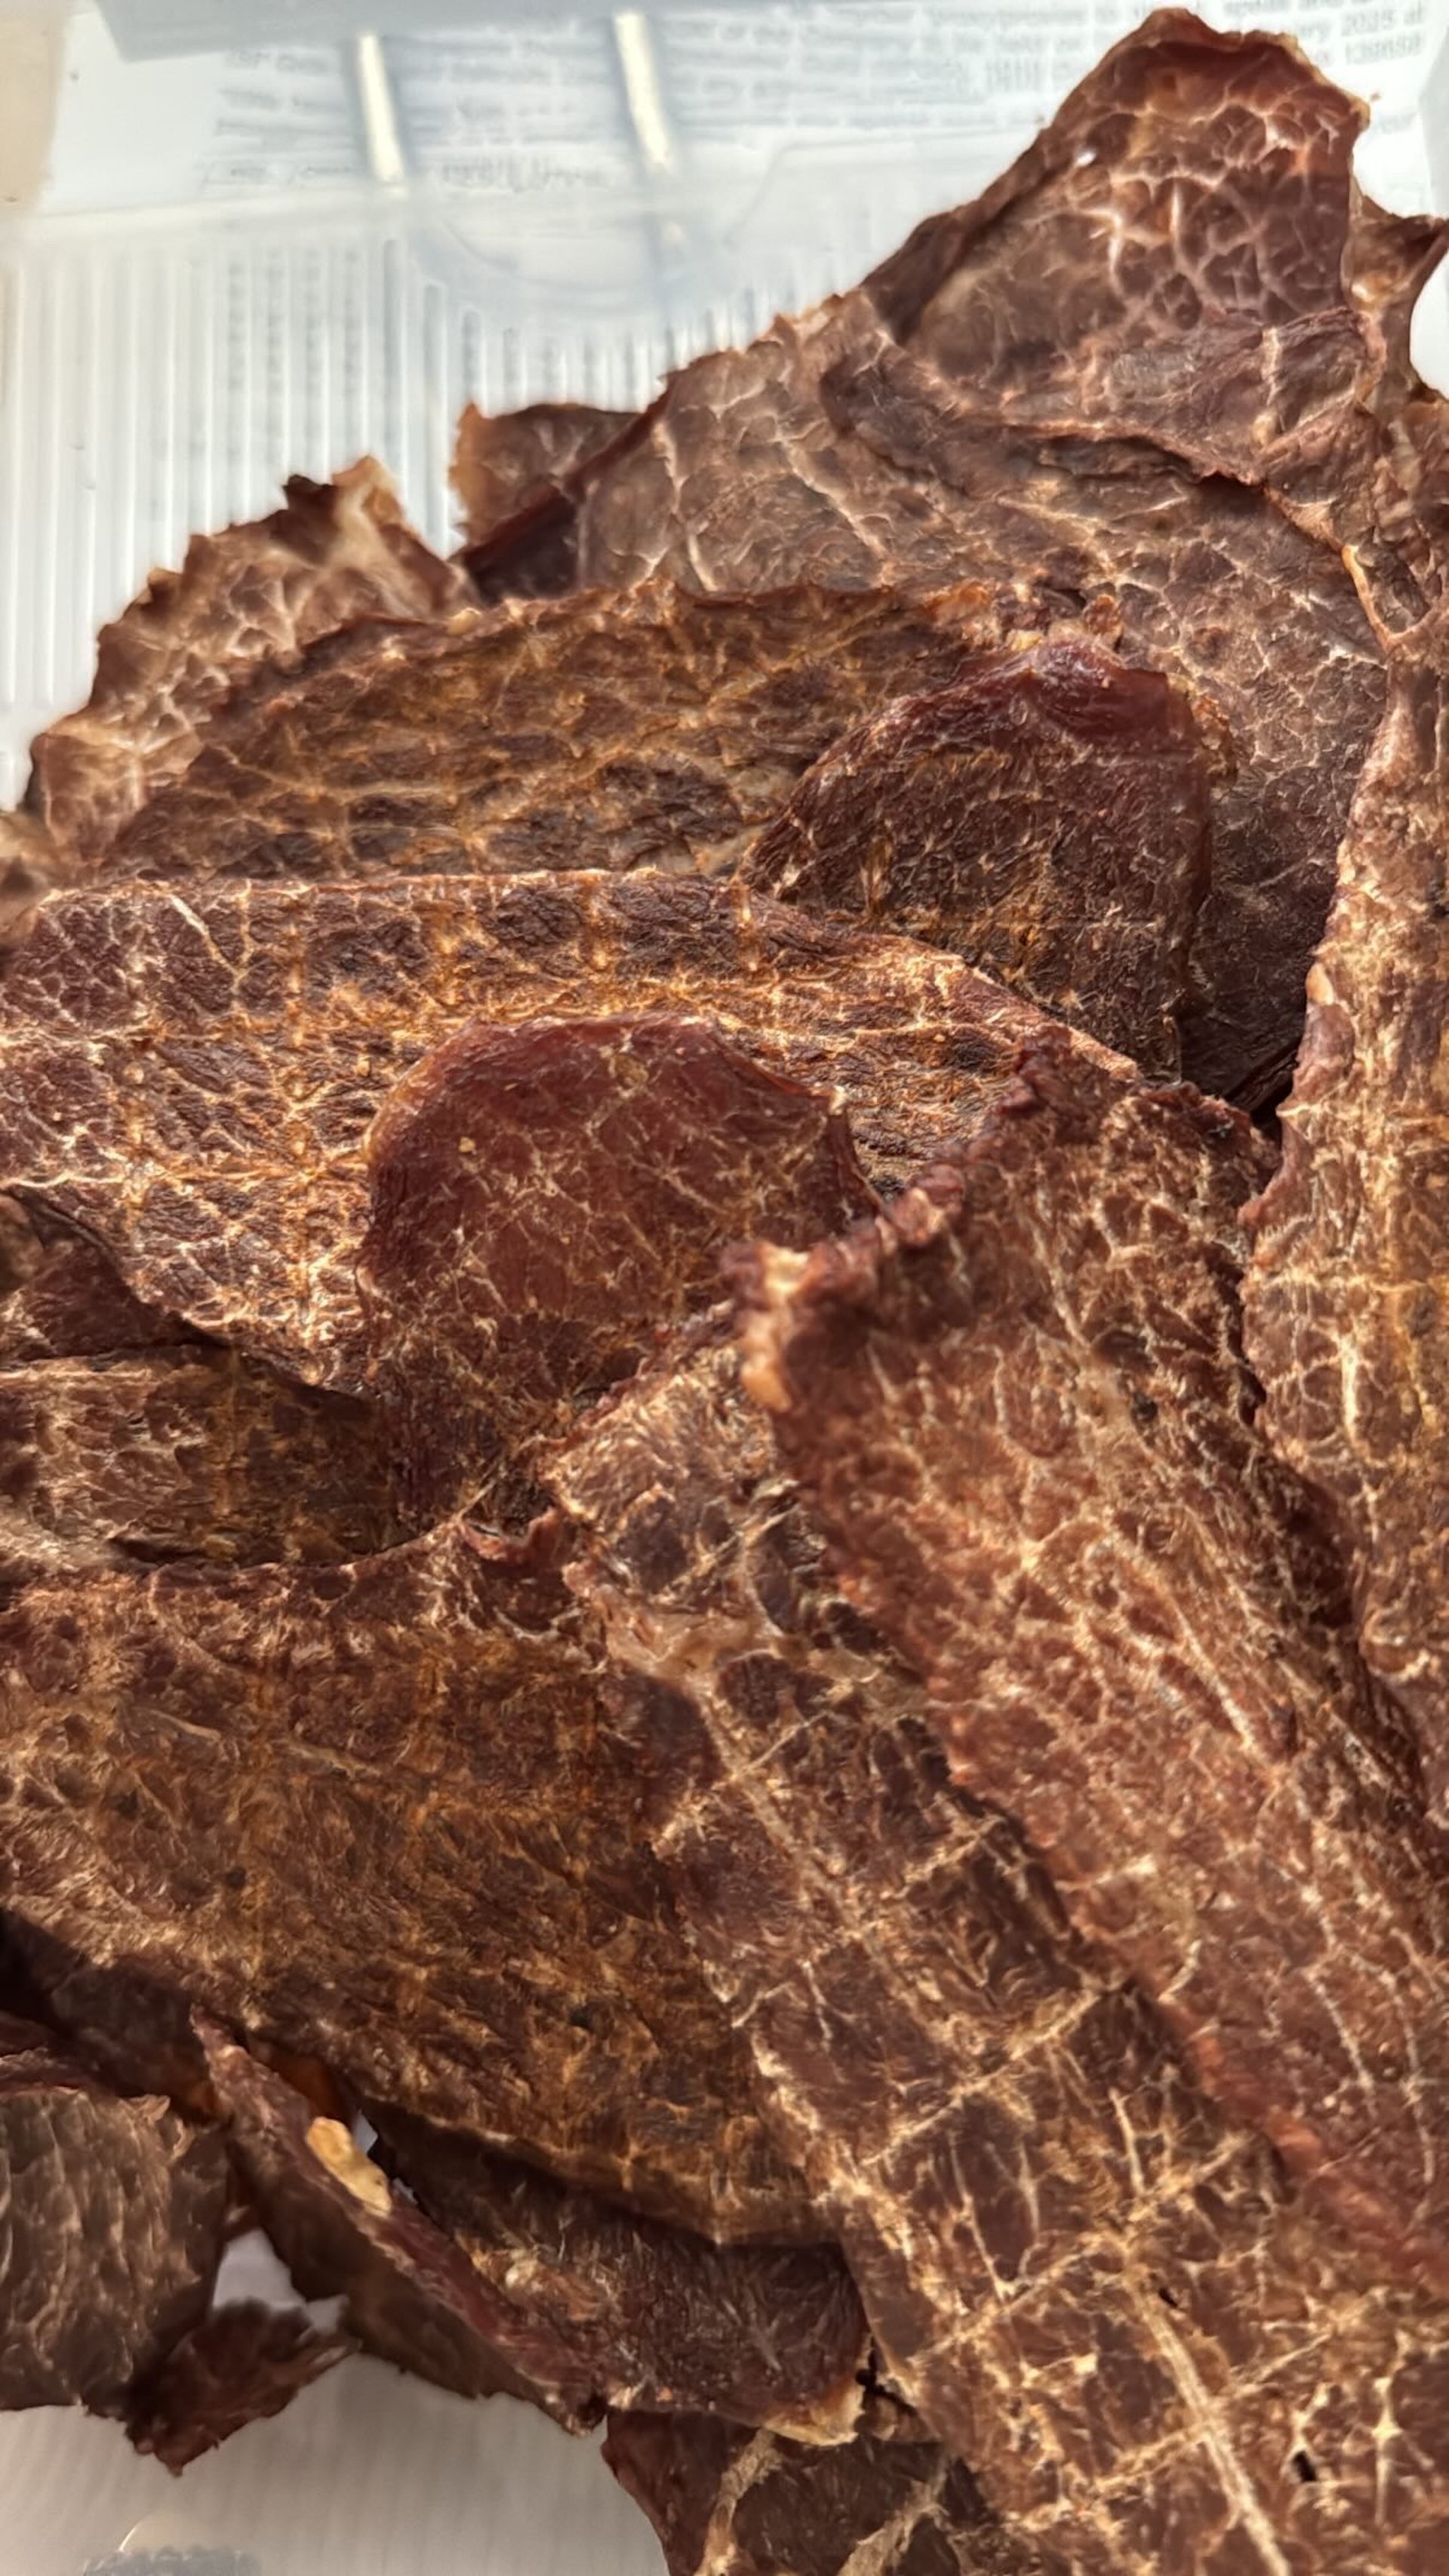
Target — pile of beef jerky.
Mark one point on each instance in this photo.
(697, 1507)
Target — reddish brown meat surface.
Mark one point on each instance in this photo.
(1021, 1410)
(1047, 819)
(1348, 1318)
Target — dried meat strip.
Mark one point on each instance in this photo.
(1348, 1289)
(257, 593)
(499, 2278)
(186, 1453)
(1021, 1410)
(725, 2502)
(1183, 255)
(113, 2226)
(513, 474)
(364, 1812)
(1084, 2277)
(761, 2334)
(241, 2364)
(62, 1297)
(410, 2295)
(1212, 583)
(1047, 819)
(193, 1080)
(1193, 179)
(544, 1200)
(650, 729)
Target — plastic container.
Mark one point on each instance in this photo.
(242, 238)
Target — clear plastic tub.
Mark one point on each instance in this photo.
(243, 238)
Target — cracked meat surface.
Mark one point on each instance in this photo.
(1047, 819)
(1026, 1388)
(193, 1078)
(1348, 1315)
(197, 1761)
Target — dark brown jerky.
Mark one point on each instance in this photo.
(185, 1453)
(1211, 582)
(761, 2334)
(513, 473)
(825, 443)
(343, 2230)
(258, 593)
(1348, 1290)
(545, 1199)
(1047, 819)
(112, 2226)
(1083, 2276)
(725, 2502)
(1183, 255)
(1021, 1410)
(1193, 177)
(243, 2363)
(194, 1081)
(365, 1813)
(62, 1297)
(132, 2031)
(651, 729)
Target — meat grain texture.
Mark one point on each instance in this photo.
(673, 1518)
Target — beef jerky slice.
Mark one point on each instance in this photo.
(193, 1081)
(545, 1199)
(761, 2334)
(1193, 179)
(364, 1812)
(528, 2287)
(650, 729)
(241, 2364)
(1089, 2282)
(513, 474)
(1183, 255)
(1348, 1291)
(505, 462)
(344, 2232)
(726, 2502)
(112, 2226)
(185, 1453)
(1047, 819)
(1210, 582)
(825, 443)
(258, 593)
(1030, 1393)
(62, 1297)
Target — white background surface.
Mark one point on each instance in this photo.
(217, 266)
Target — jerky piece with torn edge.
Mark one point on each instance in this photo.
(1047, 818)
(113, 2226)
(1083, 2277)
(726, 2502)
(826, 443)
(181, 1453)
(1192, 180)
(1348, 1289)
(505, 2279)
(544, 1200)
(365, 1813)
(513, 473)
(257, 593)
(242, 2363)
(194, 1082)
(1020, 1408)
(1213, 585)
(1183, 255)
(62, 1297)
(652, 728)
(762, 2334)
